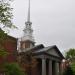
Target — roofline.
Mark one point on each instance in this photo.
(8, 34)
(59, 52)
(54, 46)
(12, 37)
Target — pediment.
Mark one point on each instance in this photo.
(50, 50)
(54, 52)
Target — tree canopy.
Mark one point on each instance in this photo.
(3, 36)
(13, 69)
(71, 54)
(6, 14)
(68, 71)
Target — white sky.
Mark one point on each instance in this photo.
(53, 21)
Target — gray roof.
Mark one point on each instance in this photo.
(33, 49)
(41, 49)
(44, 49)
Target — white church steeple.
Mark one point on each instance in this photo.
(27, 40)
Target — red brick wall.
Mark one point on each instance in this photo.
(10, 45)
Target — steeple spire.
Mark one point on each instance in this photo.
(28, 22)
(28, 12)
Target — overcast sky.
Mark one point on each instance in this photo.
(53, 21)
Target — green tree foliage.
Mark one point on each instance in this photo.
(68, 71)
(13, 69)
(71, 54)
(3, 36)
(73, 67)
(5, 13)
(8, 68)
(3, 53)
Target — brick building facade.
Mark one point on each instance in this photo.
(10, 46)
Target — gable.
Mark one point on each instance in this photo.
(53, 52)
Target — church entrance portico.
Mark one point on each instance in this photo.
(49, 67)
(50, 63)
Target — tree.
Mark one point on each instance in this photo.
(70, 54)
(3, 52)
(3, 36)
(5, 67)
(13, 69)
(5, 13)
(5, 21)
(68, 71)
(73, 67)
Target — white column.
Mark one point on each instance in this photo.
(50, 67)
(56, 69)
(43, 66)
(60, 68)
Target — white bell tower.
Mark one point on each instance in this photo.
(27, 41)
